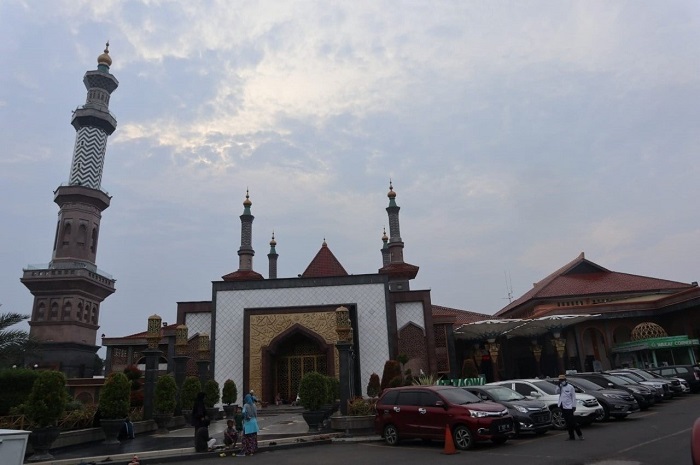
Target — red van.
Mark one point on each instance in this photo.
(424, 412)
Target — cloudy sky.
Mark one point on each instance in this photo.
(517, 135)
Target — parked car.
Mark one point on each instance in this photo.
(662, 391)
(587, 408)
(616, 403)
(690, 373)
(528, 415)
(673, 384)
(644, 396)
(424, 411)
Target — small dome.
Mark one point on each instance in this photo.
(647, 330)
(105, 59)
(385, 237)
(247, 202)
(273, 242)
(391, 193)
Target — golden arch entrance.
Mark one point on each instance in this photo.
(289, 357)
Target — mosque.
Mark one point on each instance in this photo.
(266, 333)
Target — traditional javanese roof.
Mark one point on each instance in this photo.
(461, 316)
(584, 279)
(324, 264)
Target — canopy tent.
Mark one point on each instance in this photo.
(491, 329)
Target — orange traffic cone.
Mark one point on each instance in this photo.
(449, 443)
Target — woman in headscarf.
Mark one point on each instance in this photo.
(199, 412)
(249, 444)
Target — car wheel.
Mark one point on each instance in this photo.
(604, 415)
(391, 435)
(558, 419)
(498, 440)
(463, 438)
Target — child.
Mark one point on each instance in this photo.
(202, 441)
(230, 435)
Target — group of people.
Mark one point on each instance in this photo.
(244, 422)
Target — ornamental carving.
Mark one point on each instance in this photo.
(264, 328)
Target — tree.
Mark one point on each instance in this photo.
(13, 342)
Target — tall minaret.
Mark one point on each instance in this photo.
(69, 290)
(245, 252)
(385, 249)
(399, 272)
(272, 259)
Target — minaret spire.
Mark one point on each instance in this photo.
(272, 258)
(399, 272)
(68, 293)
(245, 252)
(385, 249)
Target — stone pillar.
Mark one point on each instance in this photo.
(344, 346)
(180, 360)
(203, 358)
(152, 355)
(537, 353)
(560, 345)
(494, 348)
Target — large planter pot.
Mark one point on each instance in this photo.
(162, 420)
(41, 440)
(358, 425)
(213, 413)
(188, 416)
(229, 409)
(313, 418)
(111, 428)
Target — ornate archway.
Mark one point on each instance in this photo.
(289, 356)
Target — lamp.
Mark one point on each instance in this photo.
(181, 339)
(153, 333)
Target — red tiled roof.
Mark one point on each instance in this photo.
(324, 264)
(461, 316)
(143, 334)
(243, 275)
(581, 277)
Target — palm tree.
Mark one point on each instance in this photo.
(13, 342)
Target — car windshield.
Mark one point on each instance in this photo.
(458, 396)
(546, 386)
(630, 375)
(619, 380)
(505, 394)
(646, 375)
(585, 384)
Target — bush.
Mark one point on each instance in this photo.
(114, 397)
(313, 390)
(190, 388)
(392, 369)
(333, 388)
(212, 393)
(166, 390)
(373, 386)
(361, 406)
(47, 400)
(15, 386)
(396, 381)
(229, 393)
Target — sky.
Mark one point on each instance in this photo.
(517, 134)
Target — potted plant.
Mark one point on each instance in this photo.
(44, 407)
(229, 395)
(313, 392)
(373, 387)
(212, 395)
(114, 406)
(164, 402)
(189, 390)
(360, 417)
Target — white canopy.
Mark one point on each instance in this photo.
(487, 329)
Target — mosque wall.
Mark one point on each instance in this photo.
(230, 306)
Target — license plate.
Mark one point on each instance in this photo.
(504, 427)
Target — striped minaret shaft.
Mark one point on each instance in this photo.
(93, 123)
(385, 249)
(395, 242)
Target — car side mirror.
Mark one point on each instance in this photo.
(440, 403)
(611, 385)
(535, 394)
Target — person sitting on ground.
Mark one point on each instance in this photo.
(278, 399)
(202, 441)
(135, 460)
(230, 435)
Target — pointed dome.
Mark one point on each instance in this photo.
(273, 242)
(247, 203)
(105, 59)
(391, 194)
